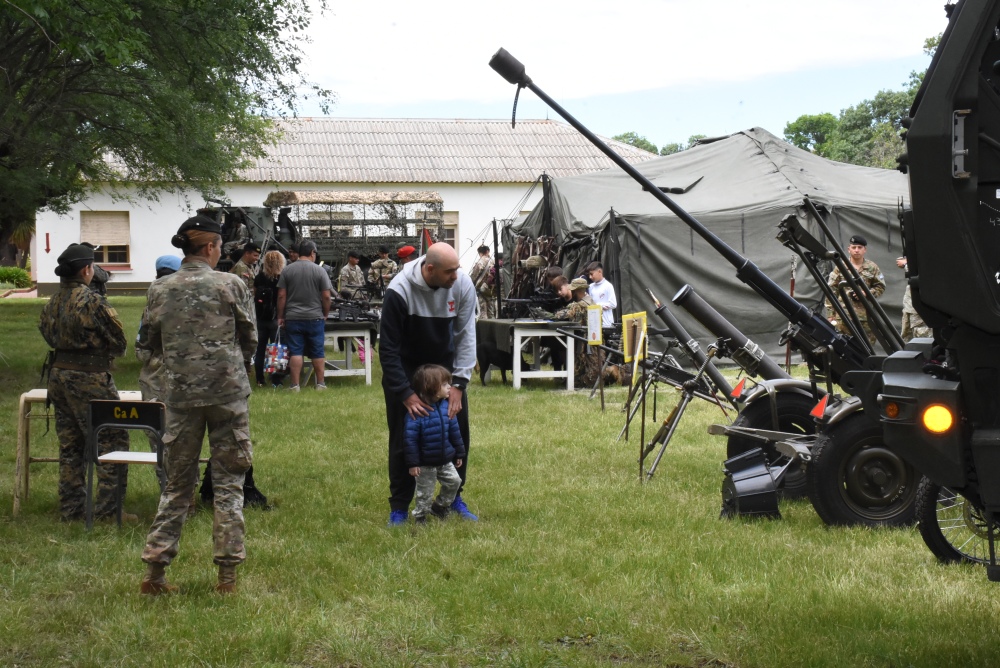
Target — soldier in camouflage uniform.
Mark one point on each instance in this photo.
(870, 274)
(151, 380)
(913, 326)
(86, 334)
(246, 268)
(202, 323)
(485, 287)
(382, 269)
(587, 363)
(351, 277)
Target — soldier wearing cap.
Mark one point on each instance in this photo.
(246, 268)
(85, 334)
(406, 254)
(872, 277)
(201, 322)
(382, 269)
(587, 363)
(351, 277)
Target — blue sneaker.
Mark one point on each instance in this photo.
(398, 517)
(463, 510)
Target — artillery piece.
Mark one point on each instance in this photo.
(858, 480)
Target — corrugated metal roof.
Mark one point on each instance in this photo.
(341, 150)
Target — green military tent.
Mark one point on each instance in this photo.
(740, 187)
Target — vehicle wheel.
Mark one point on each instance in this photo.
(952, 526)
(793, 416)
(854, 479)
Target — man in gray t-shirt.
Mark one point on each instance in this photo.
(303, 304)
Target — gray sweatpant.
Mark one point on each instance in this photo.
(425, 483)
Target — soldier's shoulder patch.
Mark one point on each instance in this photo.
(114, 317)
(881, 277)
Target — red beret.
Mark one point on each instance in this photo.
(406, 251)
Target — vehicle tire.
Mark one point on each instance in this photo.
(793, 416)
(952, 526)
(854, 479)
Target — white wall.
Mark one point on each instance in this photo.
(153, 223)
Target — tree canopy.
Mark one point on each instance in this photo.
(158, 94)
(637, 140)
(866, 133)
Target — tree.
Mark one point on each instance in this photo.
(812, 132)
(154, 94)
(636, 140)
(670, 149)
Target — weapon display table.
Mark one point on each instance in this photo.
(23, 460)
(336, 330)
(514, 336)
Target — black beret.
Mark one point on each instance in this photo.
(353, 254)
(251, 247)
(201, 223)
(76, 252)
(858, 240)
(383, 249)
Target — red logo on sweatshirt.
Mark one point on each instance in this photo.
(451, 306)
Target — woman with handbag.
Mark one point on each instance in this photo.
(265, 297)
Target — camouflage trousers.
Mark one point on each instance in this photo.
(228, 428)
(587, 365)
(842, 328)
(70, 393)
(914, 327)
(427, 481)
(487, 308)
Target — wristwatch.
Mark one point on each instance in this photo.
(459, 385)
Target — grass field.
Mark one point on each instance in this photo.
(574, 562)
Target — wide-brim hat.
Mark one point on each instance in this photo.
(579, 284)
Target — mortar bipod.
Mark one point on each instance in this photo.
(669, 426)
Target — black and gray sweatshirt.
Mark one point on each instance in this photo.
(425, 325)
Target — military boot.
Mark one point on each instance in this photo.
(155, 582)
(227, 580)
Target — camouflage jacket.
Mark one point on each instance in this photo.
(575, 311)
(385, 268)
(201, 322)
(351, 277)
(245, 272)
(873, 278)
(77, 318)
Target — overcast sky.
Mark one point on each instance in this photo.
(665, 69)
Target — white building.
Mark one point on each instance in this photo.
(481, 169)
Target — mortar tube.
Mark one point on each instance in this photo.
(746, 353)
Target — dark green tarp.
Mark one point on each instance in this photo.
(741, 186)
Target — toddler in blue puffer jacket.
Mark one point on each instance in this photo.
(433, 445)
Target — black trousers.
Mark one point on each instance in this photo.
(401, 483)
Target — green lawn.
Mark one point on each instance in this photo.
(574, 562)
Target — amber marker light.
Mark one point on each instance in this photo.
(938, 419)
(892, 410)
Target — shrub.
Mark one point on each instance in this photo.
(15, 276)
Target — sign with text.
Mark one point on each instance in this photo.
(595, 334)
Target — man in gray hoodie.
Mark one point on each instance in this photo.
(428, 317)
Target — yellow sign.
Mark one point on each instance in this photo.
(634, 336)
(123, 413)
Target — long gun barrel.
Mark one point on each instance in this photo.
(812, 325)
(745, 352)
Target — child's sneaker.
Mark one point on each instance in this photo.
(397, 518)
(440, 511)
(458, 505)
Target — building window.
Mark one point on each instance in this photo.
(109, 230)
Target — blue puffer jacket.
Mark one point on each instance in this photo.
(433, 440)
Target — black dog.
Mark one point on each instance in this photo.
(487, 353)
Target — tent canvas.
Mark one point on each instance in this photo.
(740, 187)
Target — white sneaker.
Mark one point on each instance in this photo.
(293, 388)
(320, 386)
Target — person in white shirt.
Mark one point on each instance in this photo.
(603, 293)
